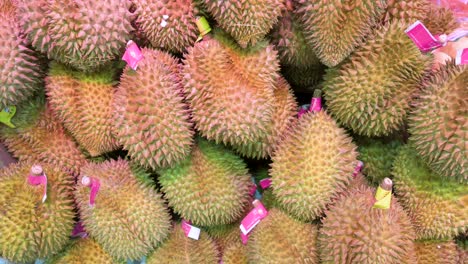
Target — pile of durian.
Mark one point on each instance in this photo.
(112, 160)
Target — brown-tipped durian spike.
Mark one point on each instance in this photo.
(440, 20)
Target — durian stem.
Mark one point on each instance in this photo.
(317, 93)
(386, 184)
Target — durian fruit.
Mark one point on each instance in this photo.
(440, 20)
(437, 206)
(39, 136)
(84, 251)
(436, 252)
(235, 253)
(179, 248)
(462, 250)
(21, 70)
(283, 117)
(371, 91)
(85, 34)
(438, 123)
(129, 218)
(355, 232)
(30, 228)
(335, 28)
(168, 25)
(279, 238)
(224, 235)
(231, 92)
(246, 20)
(211, 187)
(407, 11)
(83, 102)
(314, 163)
(152, 120)
(378, 156)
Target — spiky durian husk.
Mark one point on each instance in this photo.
(247, 21)
(436, 252)
(211, 187)
(84, 251)
(224, 235)
(173, 34)
(181, 249)
(354, 232)
(378, 156)
(335, 28)
(231, 91)
(39, 136)
(371, 91)
(85, 34)
(283, 117)
(462, 250)
(152, 120)
(438, 123)
(407, 11)
(235, 253)
(314, 162)
(83, 102)
(21, 70)
(436, 206)
(129, 218)
(29, 228)
(440, 20)
(281, 239)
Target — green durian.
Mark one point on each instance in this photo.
(279, 238)
(211, 187)
(437, 206)
(407, 11)
(235, 253)
(29, 228)
(335, 28)
(436, 252)
(315, 161)
(371, 91)
(129, 217)
(84, 251)
(438, 122)
(178, 249)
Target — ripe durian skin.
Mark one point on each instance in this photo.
(231, 91)
(438, 122)
(354, 232)
(83, 102)
(181, 249)
(29, 228)
(85, 34)
(40, 136)
(21, 73)
(152, 119)
(437, 206)
(129, 217)
(407, 11)
(84, 251)
(173, 34)
(335, 28)
(371, 91)
(440, 20)
(246, 20)
(235, 253)
(436, 252)
(315, 161)
(279, 238)
(211, 187)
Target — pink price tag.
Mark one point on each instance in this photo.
(244, 238)
(358, 168)
(421, 36)
(190, 231)
(132, 55)
(95, 185)
(301, 112)
(316, 104)
(79, 231)
(38, 177)
(462, 57)
(265, 183)
(253, 189)
(253, 218)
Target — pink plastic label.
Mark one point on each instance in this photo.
(316, 104)
(421, 36)
(457, 34)
(132, 55)
(190, 231)
(301, 112)
(265, 183)
(79, 231)
(462, 57)
(95, 185)
(253, 218)
(35, 179)
(244, 238)
(253, 189)
(358, 168)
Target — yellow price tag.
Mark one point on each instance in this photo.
(6, 115)
(384, 198)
